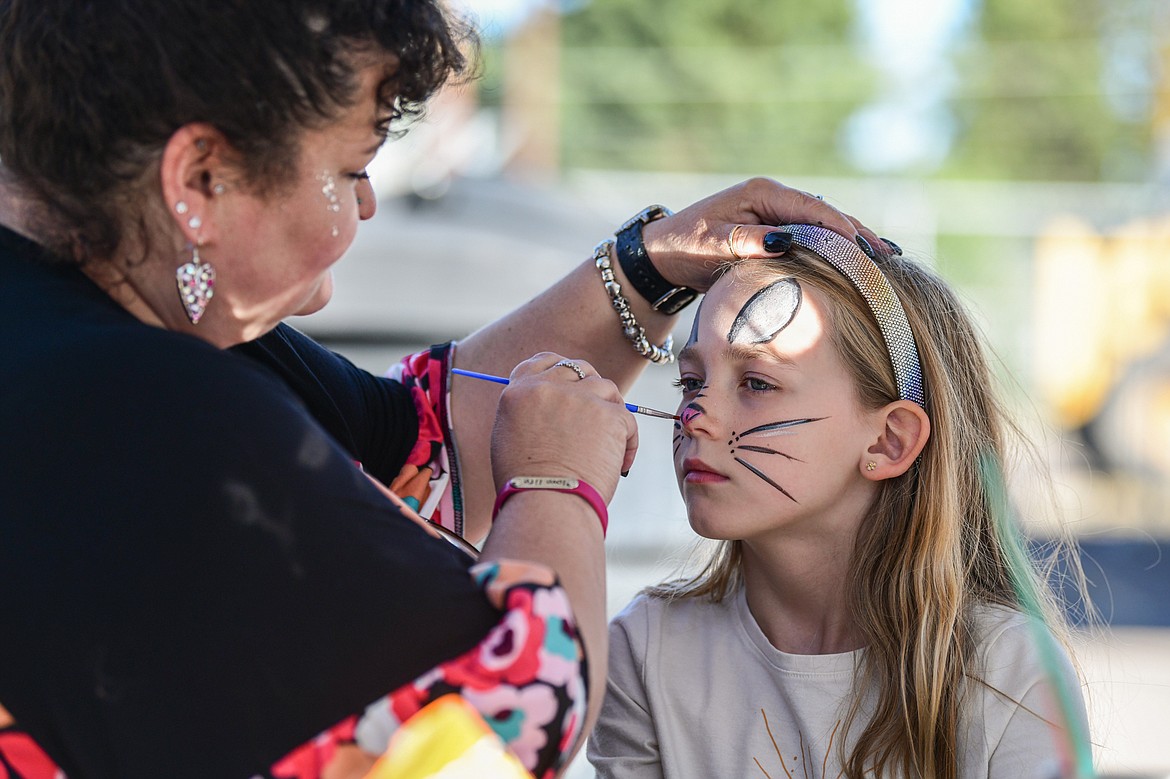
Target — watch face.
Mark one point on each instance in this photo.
(647, 214)
(675, 300)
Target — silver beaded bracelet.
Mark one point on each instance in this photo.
(634, 332)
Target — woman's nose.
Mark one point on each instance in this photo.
(367, 200)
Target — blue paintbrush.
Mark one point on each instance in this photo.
(501, 380)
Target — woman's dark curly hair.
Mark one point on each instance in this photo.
(90, 92)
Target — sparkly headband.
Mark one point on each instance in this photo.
(847, 257)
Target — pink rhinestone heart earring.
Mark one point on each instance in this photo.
(195, 279)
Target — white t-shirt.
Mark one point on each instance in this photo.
(696, 690)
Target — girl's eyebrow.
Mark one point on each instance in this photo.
(740, 353)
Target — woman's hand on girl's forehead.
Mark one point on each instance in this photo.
(684, 245)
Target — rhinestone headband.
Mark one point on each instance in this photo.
(867, 277)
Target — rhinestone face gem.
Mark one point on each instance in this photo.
(196, 283)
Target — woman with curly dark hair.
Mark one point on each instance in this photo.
(197, 577)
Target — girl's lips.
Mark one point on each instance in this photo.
(695, 471)
(704, 477)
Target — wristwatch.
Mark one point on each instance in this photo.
(644, 277)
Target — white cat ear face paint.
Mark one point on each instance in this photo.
(766, 313)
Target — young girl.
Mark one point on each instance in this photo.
(868, 612)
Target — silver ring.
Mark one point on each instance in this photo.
(731, 243)
(574, 367)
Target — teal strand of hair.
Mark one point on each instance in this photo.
(1027, 590)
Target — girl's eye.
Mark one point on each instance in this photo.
(687, 384)
(361, 175)
(759, 385)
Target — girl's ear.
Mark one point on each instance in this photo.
(905, 431)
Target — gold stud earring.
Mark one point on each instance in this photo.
(871, 465)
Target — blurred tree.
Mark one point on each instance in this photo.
(1042, 91)
(693, 85)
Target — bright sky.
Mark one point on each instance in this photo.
(907, 125)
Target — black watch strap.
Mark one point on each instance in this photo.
(644, 277)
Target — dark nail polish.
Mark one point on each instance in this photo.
(625, 473)
(777, 242)
(865, 247)
(895, 248)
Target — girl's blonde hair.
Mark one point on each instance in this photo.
(931, 547)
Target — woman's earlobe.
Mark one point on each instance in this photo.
(905, 431)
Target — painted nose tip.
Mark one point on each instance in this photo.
(689, 415)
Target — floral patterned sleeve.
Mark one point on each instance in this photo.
(527, 678)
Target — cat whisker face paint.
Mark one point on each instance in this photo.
(764, 476)
(784, 427)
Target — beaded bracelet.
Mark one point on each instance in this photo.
(634, 332)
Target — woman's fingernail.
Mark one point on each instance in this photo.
(775, 243)
(895, 248)
(865, 247)
(625, 473)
